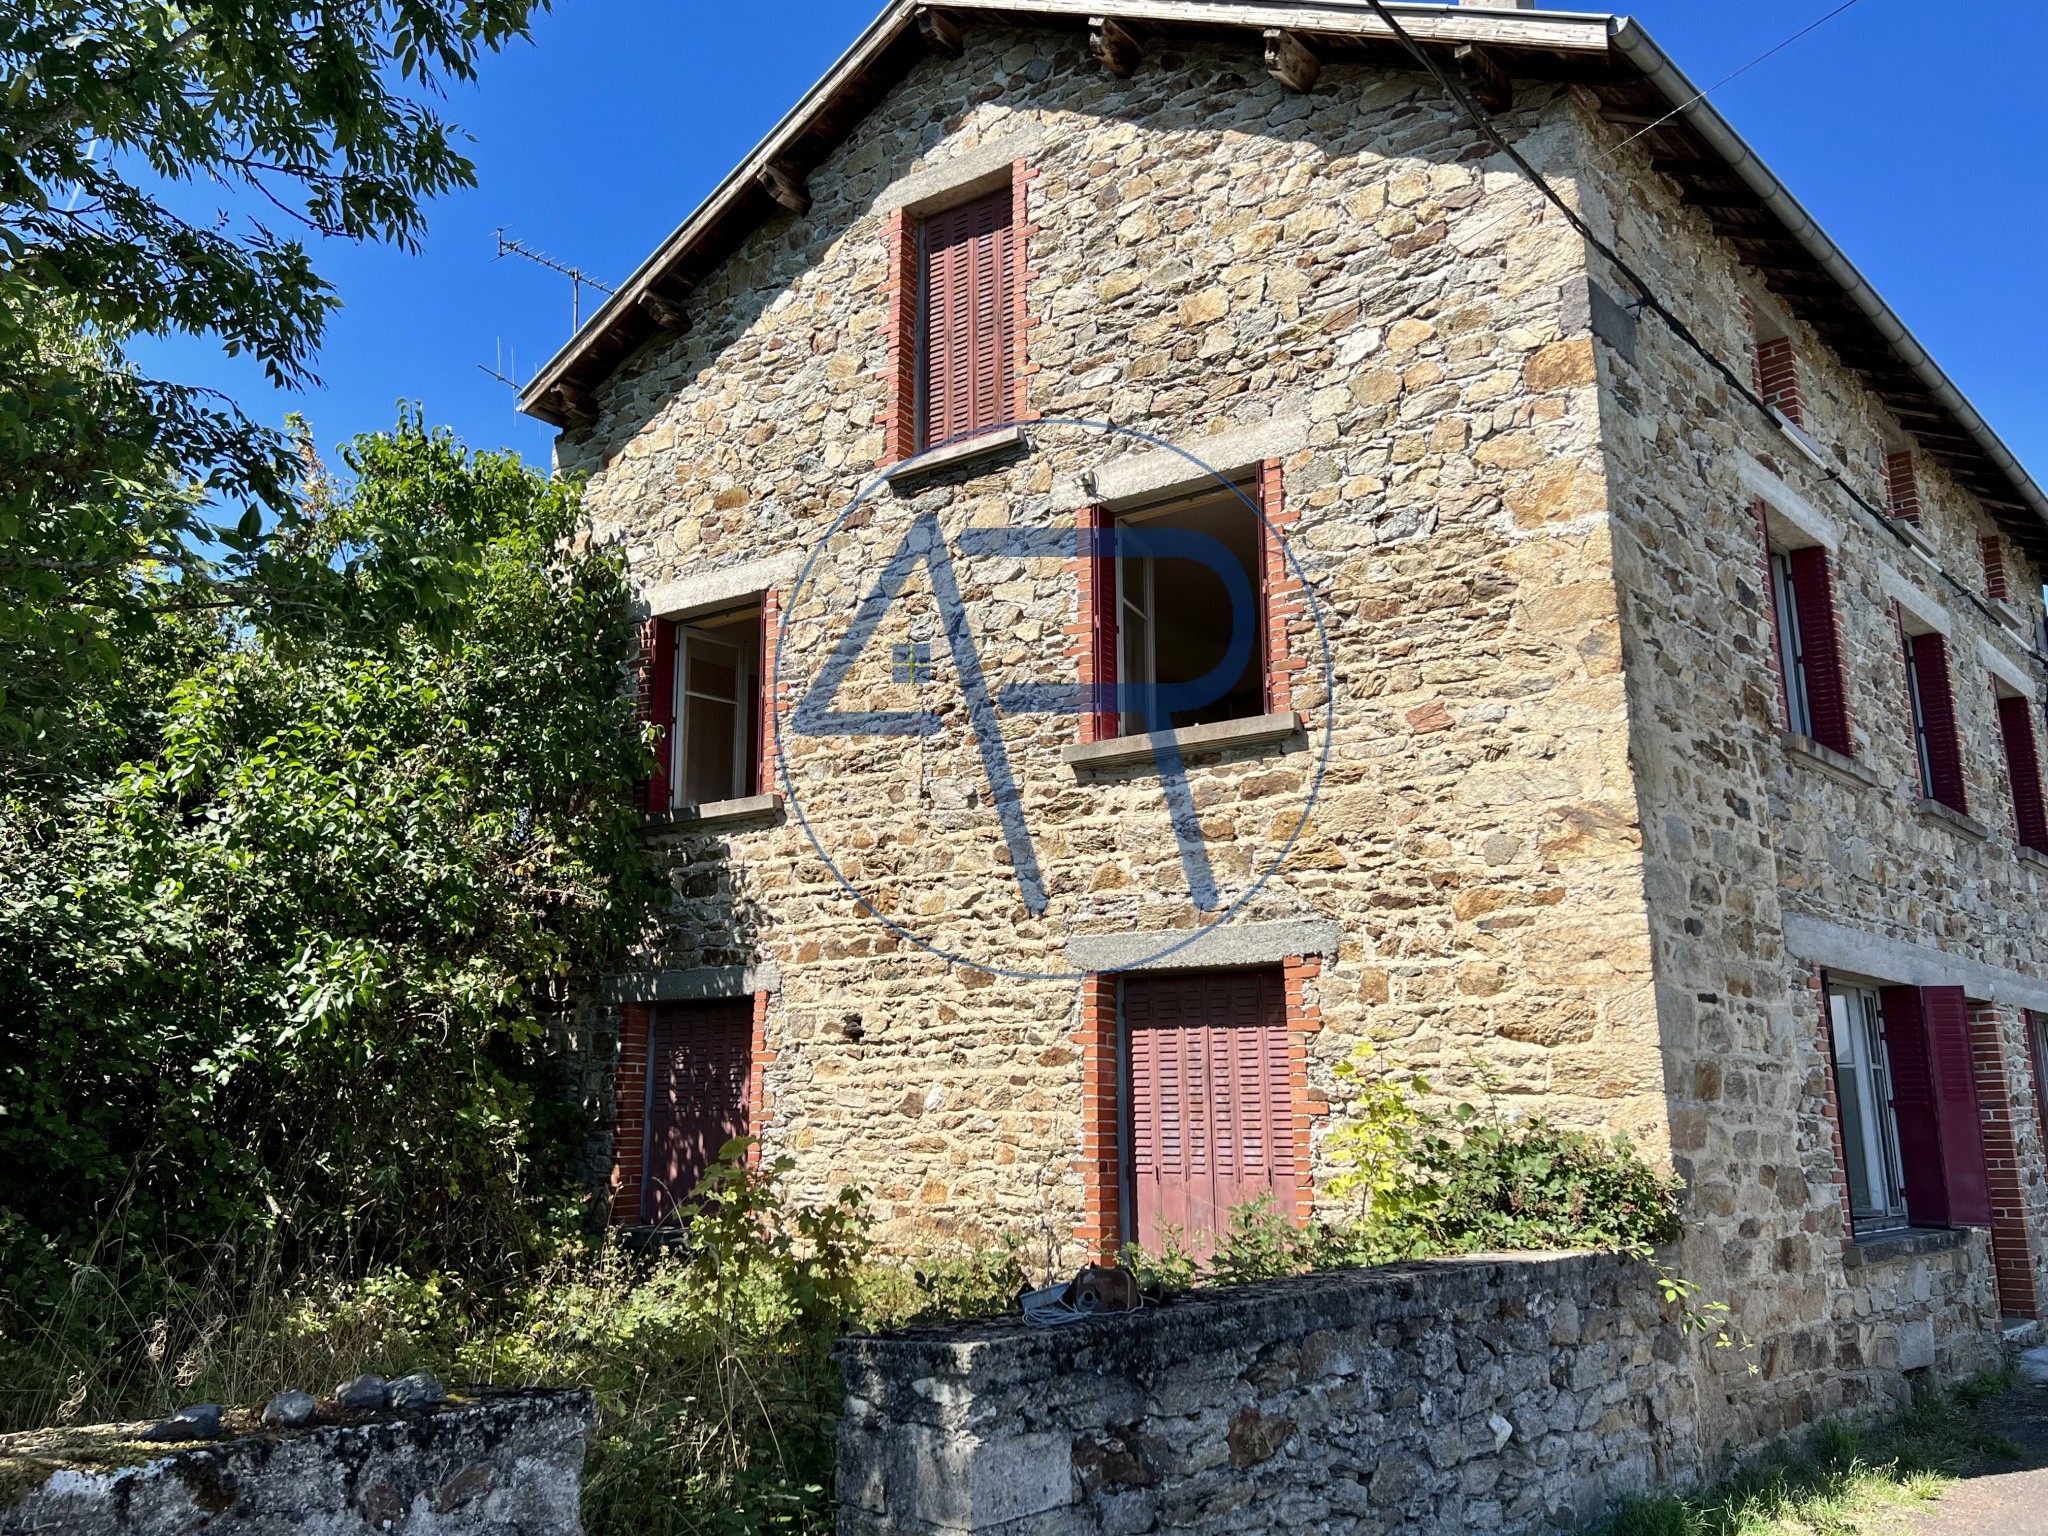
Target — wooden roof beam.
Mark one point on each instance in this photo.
(1290, 60)
(940, 31)
(1112, 47)
(787, 189)
(1484, 77)
(665, 312)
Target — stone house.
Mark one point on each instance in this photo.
(1167, 553)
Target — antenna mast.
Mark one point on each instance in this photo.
(578, 278)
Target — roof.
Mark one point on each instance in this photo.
(1686, 139)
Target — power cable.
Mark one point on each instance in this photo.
(1700, 96)
(1647, 299)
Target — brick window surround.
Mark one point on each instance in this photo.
(1902, 486)
(1092, 638)
(1098, 1041)
(1992, 550)
(2011, 1254)
(629, 1101)
(1774, 368)
(904, 430)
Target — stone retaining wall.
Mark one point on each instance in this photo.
(1504, 1393)
(1486, 1394)
(509, 1463)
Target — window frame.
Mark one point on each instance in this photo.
(1866, 1113)
(1245, 488)
(1791, 648)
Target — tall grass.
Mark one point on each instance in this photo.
(717, 1396)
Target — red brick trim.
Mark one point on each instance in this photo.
(899, 339)
(629, 1112)
(1021, 230)
(1304, 1019)
(1285, 603)
(1100, 1230)
(1777, 372)
(1089, 635)
(2011, 1254)
(1902, 486)
(760, 1108)
(1830, 1101)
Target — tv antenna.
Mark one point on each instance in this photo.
(578, 278)
(507, 379)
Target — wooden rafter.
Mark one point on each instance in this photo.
(1290, 60)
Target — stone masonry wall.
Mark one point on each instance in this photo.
(1743, 835)
(1498, 1394)
(1209, 252)
(507, 1462)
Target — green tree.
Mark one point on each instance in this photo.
(124, 497)
(292, 971)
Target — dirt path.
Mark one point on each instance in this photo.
(1998, 1496)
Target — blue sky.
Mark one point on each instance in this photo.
(1914, 133)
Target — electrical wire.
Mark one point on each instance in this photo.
(1647, 297)
(1700, 96)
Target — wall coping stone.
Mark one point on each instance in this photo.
(1907, 1243)
(713, 814)
(705, 981)
(953, 455)
(1222, 735)
(1881, 957)
(506, 1461)
(705, 592)
(1218, 947)
(1952, 818)
(1820, 755)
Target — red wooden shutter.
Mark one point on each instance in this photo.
(1938, 721)
(1099, 528)
(1813, 594)
(701, 1056)
(1211, 1117)
(1913, 1106)
(2023, 768)
(1934, 1095)
(658, 705)
(969, 324)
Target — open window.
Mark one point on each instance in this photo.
(1173, 619)
(1863, 1090)
(702, 692)
(1906, 1087)
(1809, 653)
(1936, 742)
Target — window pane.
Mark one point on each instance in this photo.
(710, 734)
(1791, 663)
(713, 670)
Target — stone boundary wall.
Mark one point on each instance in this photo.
(1481, 1394)
(505, 1462)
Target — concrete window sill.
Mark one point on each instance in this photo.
(953, 455)
(2032, 856)
(1953, 819)
(1224, 735)
(1906, 1243)
(1805, 749)
(715, 814)
(1917, 539)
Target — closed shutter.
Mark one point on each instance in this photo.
(701, 1056)
(1934, 1095)
(1943, 751)
(1099, 540)
(969, 348)
(1211, 1113)
(1813, 595)
(658, 707)
(2023, 768)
